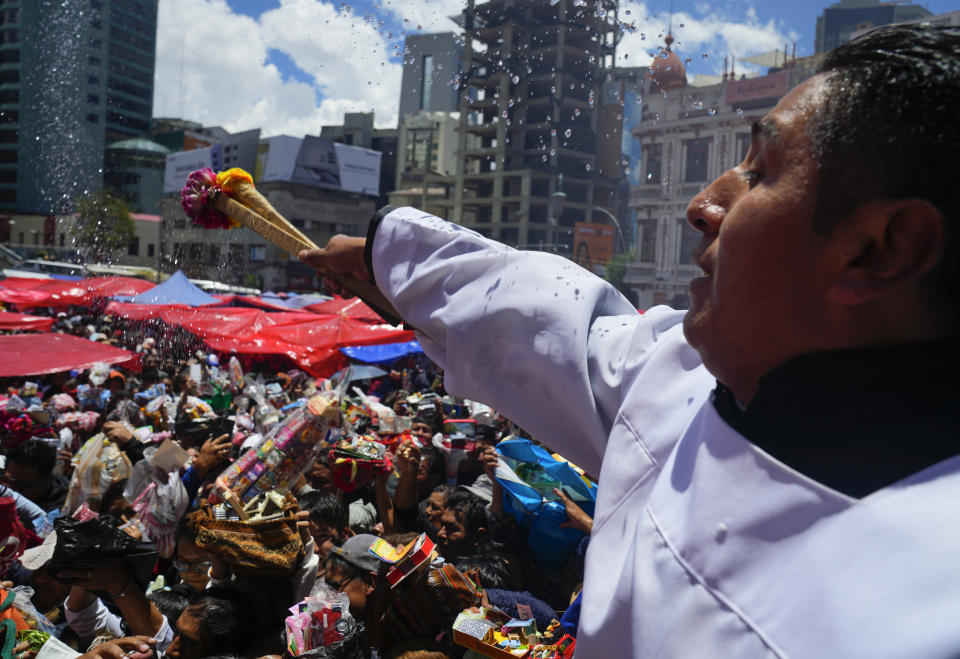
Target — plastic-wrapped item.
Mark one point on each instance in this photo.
(355, 462)
(282, 457)
(159, 507)
(321, 626)
(23, 602)
(236, 374)
(98, 464)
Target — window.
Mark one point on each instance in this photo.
(93, 60)
(652, 172)
(743, 146)
(8, 155)
(93, 118)
(698, 154)
(214, 254)
(196, 252)
(133, 249)
(9, 56)
(648, 241)
(93, 98)
(150, 249)
(426, 85)
(235, 256)
(63, 239)
(10, 75)
(93, 80)
(258, 253)
(8, 176)
(689, 239)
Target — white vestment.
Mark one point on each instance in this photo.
(703, 545)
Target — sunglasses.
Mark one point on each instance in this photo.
(199, 567)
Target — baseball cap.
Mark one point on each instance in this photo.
(356, 552)
(482, 487)
(36, 557)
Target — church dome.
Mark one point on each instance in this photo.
(667, 70)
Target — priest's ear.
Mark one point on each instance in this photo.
(884, 245)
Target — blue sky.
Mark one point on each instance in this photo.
(290, 66)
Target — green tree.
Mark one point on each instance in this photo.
(617, 269)
(103, 226)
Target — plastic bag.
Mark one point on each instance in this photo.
(321, 626)
(23, 602)
(159, 507)
(92, 543)
(98, 464)
(528, 494)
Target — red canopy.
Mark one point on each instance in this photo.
(37, 354)
(352, 308)
(310, 340)
(59, 293)
(18, 321)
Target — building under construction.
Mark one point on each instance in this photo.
(537, 148)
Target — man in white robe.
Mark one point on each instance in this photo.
(778, 465)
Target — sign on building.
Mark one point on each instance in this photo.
(592, 244)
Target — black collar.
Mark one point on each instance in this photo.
(856, 420)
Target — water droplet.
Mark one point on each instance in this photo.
(587, 167)
(567, 133)
(705, 56)
(515, 78)
(711, 111)
(697, 105)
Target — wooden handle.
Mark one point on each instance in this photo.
(364, 290)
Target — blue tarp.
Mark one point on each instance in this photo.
(176, 290)
(385, 352)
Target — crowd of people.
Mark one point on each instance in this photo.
(107, 472)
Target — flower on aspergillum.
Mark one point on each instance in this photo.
(197, 197)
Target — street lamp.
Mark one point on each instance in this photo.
(616, 223)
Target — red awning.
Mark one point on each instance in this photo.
(19, 321)
(37, 354)
(60, 293)
(353, 308)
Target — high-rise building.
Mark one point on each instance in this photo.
(840, 20)
(530, 139)
(430, 71)
(74, 77)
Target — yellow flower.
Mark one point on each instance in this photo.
(232, 177)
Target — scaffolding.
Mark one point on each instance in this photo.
(535, 151)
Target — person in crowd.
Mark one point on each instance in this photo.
(352, 569)
(463, 527)
(30, 471)
(329, 523)
(216, 622)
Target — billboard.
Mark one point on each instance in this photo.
(320, 162)
(310, 160)
(238, 150)
(592, 244)
(774, 85)
(179, 165)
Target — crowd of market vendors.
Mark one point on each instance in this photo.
(201, 507)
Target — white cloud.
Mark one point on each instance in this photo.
(213, 64)
(714, 33)
(426, 15)
(226, 78)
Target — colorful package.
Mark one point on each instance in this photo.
(277, 461)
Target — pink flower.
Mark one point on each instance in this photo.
(197, 197)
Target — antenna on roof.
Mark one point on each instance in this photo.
(670, 23)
